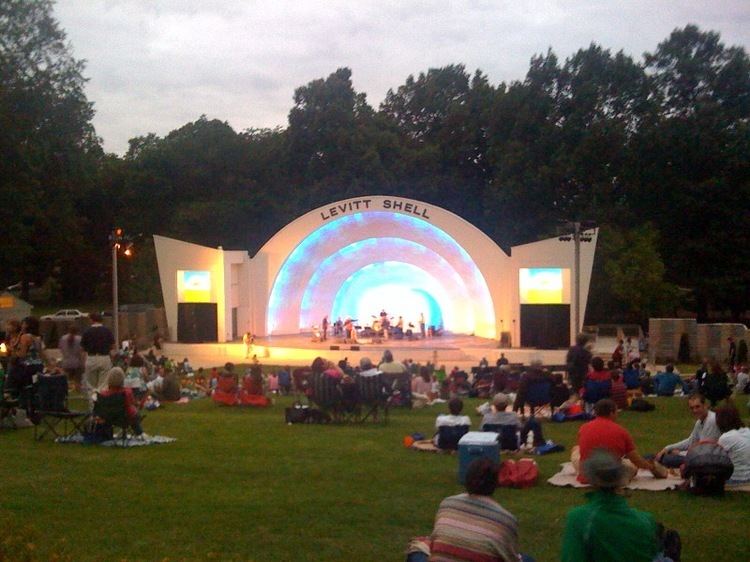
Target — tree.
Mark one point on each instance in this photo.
(629, 275)
(48, 148)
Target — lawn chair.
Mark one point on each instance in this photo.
(52, 410)
(373, 397)
(110, 410)
(508, 435)
(538, 394)
(324, 392)
(449, 436)
(593, 391)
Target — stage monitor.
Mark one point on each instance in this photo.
(544, 285)
(193, 286)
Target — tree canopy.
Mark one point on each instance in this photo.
(654, 150)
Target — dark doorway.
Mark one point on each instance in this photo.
(196, 322)
(545, 326)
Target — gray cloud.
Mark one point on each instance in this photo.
(155, 65)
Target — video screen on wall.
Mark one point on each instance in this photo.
(193, 286)
(544, 285)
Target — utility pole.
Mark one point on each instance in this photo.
(579, 235)
(117, 240)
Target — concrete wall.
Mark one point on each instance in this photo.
(706, 340)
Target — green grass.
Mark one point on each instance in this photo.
(239, 484)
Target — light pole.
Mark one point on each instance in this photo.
(579, 235)
(117, 240)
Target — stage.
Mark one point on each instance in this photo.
(463, 351)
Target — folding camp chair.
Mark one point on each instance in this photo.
(538, 395)
(52, 413)
(450, 435)
(374, 397)
(110, 410)
(508, 435)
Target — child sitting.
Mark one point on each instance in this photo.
(115, 381)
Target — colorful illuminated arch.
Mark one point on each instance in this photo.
(359, 263)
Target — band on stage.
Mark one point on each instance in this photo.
(382, 326)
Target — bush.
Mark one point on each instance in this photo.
(683, 355)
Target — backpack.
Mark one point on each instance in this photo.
(518, 474)
(707, 468)
(641, 405)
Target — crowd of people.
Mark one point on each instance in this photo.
(470, 525)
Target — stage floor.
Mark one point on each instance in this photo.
(463, 351)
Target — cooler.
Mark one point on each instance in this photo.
(476, 445)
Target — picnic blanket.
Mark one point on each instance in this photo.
(426, 445)
(644, 480)
(129, 442)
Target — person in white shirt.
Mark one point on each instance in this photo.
(742, 379)
(455, 406)
(735, 438)
(705, 428)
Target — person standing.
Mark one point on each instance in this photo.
(324, 325)
(98, 342)
(422, 330)
(577, 361)
(248, 340)
(73, 357)
(732, 357)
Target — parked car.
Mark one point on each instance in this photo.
(65, 314)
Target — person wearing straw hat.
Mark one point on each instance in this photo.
(606, 528)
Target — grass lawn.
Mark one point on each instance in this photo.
(239, 484)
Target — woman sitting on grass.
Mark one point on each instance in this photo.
(115, 381)
(735, 438)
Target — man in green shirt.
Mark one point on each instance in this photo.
(606, 529)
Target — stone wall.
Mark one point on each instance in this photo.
(706, 340)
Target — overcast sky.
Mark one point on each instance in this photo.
(155, 65)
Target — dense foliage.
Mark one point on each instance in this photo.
(653, 150)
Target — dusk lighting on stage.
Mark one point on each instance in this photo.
(401, 289)
(193, 286)
(544, 285)
(413, 267)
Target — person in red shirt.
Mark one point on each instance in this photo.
(603, 432)
(115, 381)
(619, 393)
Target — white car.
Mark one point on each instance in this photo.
(65, 314)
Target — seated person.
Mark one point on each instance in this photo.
(496, 414)
(735, 438)
(619, 392)
(743, 378)
(705, 428)
(535, 374)
(606, 528)
(647, 383)
(170, 389)
(135, 375)
(603, 432)
(421, 388)
(115, 381)
(631, 375)
(455, 406)
(471, 526)
(560, 391)
(572, 406)
(715, 385)
(666, 382)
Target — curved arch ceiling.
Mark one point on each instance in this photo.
(361, 263)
